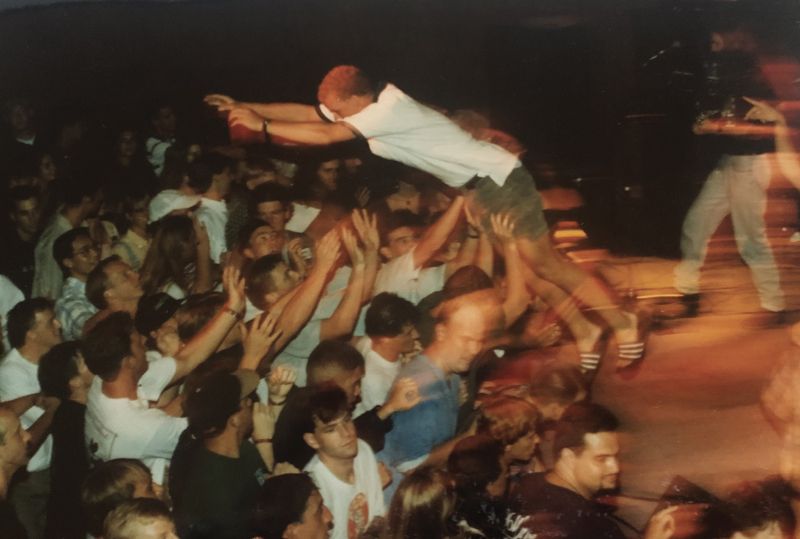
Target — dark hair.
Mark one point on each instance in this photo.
(259, 281)
(211, 403)
(247, 231)
(271, 192)
(121, 521)
(97, 282)
(579, 420)
(329, 355)
(398, 219)
(281, 502)
(196, 312)
(18, 193)
(22, 317)
(388, 314)
(57, 367)
(107, 344)
(754, 504)
(474, 463)
(202, 171)
(106, 486)
(326, 403)
(62, 247)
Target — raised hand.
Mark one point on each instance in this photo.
(502, 226)
(260, 337)
(327, 250)
(366, 226)
(233, 284)
(404, 395)
(351, 246)
(220, 101)
(280, 381)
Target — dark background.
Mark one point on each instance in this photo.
(570, 78)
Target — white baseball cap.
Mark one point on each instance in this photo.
(168, 201)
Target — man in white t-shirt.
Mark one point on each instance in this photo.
(344, 468)
(119, 420)
(399, 128)
(210, 177)
(32, 331)
(390, 335)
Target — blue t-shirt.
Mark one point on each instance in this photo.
(432, 422)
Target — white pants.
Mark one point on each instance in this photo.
(737, 186)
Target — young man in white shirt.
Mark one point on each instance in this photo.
(211, 177)
(391, 334)
(32, 330)
(399, 128)
(344, 468)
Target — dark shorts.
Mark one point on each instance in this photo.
(517, 196)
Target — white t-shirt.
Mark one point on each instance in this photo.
(379, 375)
(17, 379)
(214, 216)
(302, 217)
(400, 276)
(125, 428)
(353, 506)
(399, 128)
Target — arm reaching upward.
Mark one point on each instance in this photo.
(433, 238)
(343, 320)
(787, 157)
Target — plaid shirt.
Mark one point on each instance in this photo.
(782, 399)
(73, 309)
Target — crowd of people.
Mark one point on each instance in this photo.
(215, 342)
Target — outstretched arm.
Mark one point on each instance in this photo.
(343, 319)
(516, 300)
(297, 312)
(284, 112)
(307, 132)
(437, 233)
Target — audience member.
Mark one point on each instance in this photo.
(290, 507)
(162, 136)
(210, 176)
(425, 433)
(81, 201)
(76, 255)
(108, 485)
(178, 260)
(344, 467)
(132, 247)
(63, 374)
(139, 518)
(13, 456)
(32, 331)
(391, 336)
(19, 239)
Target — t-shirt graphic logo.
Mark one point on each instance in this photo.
(357, 516)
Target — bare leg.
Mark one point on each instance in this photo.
(540, 256)
(583, 331)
